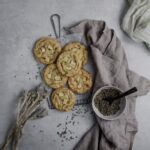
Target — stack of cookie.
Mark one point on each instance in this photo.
(64, 66)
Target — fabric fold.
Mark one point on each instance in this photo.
(90, 141)
(112, 69)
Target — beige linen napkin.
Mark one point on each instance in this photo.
(112, 69)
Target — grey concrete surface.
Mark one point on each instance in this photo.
(21, 23)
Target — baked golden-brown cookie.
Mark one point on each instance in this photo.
(81, 82)
(77, 46)
(69, 63)
(52, 77)
(63, 99)
(46, 50)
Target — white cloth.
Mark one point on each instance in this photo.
(136, 22)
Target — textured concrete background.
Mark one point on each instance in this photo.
(21, 23)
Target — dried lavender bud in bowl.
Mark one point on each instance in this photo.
(103, 108)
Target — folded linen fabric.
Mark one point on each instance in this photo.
(136, 22)
(112, 69)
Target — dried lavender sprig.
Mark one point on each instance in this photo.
(26, 108)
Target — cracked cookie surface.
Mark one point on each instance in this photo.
(69, 63)
(52, 77)
(81, 82)
(78, 47)
(46, 50)
(63, 99)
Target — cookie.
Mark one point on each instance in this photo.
(69, 63)
(52, 77)
(77, 46)
(81, 82)
(46, 50)
(63, 99)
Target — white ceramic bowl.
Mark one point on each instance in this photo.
(111, 117)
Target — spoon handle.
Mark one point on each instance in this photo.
(130, 91)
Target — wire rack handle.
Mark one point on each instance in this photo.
(57, 16)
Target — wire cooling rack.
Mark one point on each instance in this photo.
(82, 99)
